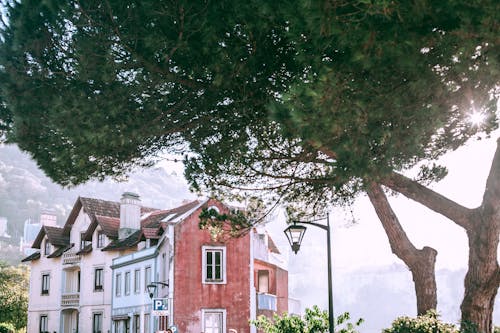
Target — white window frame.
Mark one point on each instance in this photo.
(204, 251)
(147, 278)
(101, 286)
(205, 312)
(42, 290)
(118, 284)
(101, 317)
(137, 281)
(127, 282)
(47, 247)
(44, 319)
(101, 239)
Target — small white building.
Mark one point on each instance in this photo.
(71, 279)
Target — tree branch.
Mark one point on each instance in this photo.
(491, 197)
(427, 197)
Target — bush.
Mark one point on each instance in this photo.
(314, 321)
(6, 328)
(428, 323)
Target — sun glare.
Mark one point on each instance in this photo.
(477, 118)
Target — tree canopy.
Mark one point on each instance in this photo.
(14, 295)
(311, 101)
(249, 89)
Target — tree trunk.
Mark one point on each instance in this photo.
(482, 278)
(483, 228)
(420, 262)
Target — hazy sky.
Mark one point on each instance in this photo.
(365, 243)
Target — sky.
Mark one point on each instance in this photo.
(363, 246)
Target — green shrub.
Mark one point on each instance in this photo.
(6, 328)
(496, 329)
(314, 321)
(428, 323)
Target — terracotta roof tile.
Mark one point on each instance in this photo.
(109, 225)
(151, 232)
(55, 236)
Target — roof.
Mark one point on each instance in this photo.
(96, 207)
(34, 256)
(86, 249)
(126, 243)
(55, 236)
(151, 233)
(272, 246)
(60, 251)
(106, 214)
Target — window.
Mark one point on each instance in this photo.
(98, 279)
(137, 281)
(127, 325)
(83, 242)
(127, 283)
(47, 247)
(44, 324)
(263, 280)
(214, 320)
(214, 264)
(97, 323)
(101, 239)
(118, 285)
(78, 282)
(147, 278)
(45, 284)
(137, 323)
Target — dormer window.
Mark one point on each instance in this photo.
(47, 247)
(101, 239)
(83, 242)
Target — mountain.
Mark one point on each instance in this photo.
(25, 190)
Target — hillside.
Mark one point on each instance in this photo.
(25, 190)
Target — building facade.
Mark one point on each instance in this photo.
(92, 274)
(209, 284)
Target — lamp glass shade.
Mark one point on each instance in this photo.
(151, 290)
(294, 234)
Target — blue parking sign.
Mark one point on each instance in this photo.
(160, 306)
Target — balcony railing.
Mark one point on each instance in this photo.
(70, 299)
(267, 302)
(71, 258)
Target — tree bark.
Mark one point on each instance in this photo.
(483, 228)
(420, 262)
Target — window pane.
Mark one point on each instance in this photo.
(137, 281)
(213, 322)
(217, 257)
(218, 275)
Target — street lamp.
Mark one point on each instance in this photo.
(152, 287)
(295, 233)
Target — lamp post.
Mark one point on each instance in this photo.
(152, 287)
(295, 233)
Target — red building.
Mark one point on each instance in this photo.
(220, 284)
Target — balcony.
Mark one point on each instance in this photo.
(70, 299)
(267, 302)
(71, 258)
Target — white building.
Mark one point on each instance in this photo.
(70, 282)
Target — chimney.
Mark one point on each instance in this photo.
(130, 214)
(48, 217)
